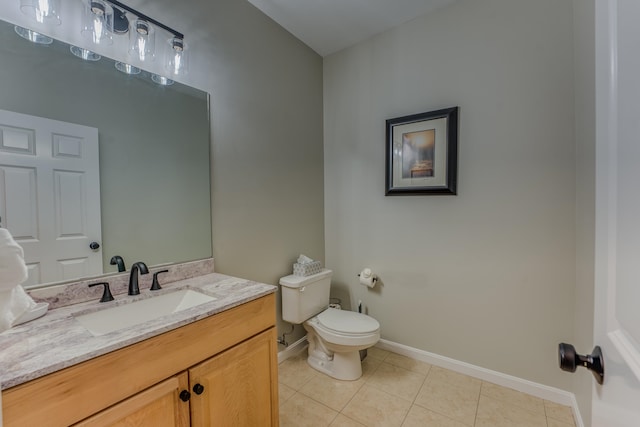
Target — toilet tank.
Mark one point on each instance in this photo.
(304, 297)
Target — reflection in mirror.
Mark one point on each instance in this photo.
(153, 155)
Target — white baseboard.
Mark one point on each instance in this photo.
(292, 349)
(551, 394)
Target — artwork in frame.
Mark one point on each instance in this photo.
(422, 153)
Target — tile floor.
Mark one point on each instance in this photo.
(398, 391)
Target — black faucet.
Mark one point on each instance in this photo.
(117, 260)
(133, 277)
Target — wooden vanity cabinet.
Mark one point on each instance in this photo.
(226, 362)
(235, 387)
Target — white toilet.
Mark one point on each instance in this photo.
(335, 336)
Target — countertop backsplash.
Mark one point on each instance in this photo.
(71, 293)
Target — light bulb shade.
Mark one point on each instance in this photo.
(84, 54)
(176, 57)
(127, 68)
(97, 22)
(142, 40)
(32, 36)
(42, 11)
(161, 80)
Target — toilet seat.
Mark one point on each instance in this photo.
(347, 322)
(346, 328)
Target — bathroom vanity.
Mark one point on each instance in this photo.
(212, 364)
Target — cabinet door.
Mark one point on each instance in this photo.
(238, 387)
(157, 406)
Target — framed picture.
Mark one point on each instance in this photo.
(422, 153)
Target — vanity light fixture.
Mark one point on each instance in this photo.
(104, 19)
(85, 54)
(42, 11)
(32, 36)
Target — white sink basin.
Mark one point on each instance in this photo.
(128, 315)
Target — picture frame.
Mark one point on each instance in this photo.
(422, 153)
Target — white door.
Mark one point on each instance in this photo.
(617, 269)
(50, 195)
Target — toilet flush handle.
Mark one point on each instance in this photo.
(303, 288)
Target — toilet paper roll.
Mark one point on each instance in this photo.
(367, 278)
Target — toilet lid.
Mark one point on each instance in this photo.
(348, 321)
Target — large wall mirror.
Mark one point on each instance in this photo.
(153, 140)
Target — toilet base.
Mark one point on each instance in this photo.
(341, 366)
(338, 360)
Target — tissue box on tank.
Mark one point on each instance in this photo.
(308, 269)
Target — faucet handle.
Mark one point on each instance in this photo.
(155, 286)
(106, 293)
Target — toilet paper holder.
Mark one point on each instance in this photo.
(375, 279)
(366, 274)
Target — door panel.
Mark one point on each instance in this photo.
(19, 190)
(617, 267)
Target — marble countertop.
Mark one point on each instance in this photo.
(57, 340)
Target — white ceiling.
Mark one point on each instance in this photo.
(328, 26)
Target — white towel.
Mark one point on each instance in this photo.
(13, 304)
(13, 270)
(14, 301)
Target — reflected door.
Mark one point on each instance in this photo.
(50, 195)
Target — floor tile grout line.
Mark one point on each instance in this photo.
(413, 402)
(294, 392)
(406, 415)
(332, 420)
(344, 406)
(399, 367)
(346, 416)
(382, 391)
(439, 413)
(475, 418)
(512, 405)
(447, 415)
(322, 404)
(507, 401)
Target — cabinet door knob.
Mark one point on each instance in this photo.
(198, 389)
(185, 395)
